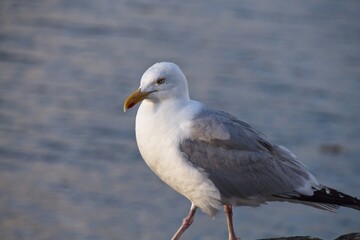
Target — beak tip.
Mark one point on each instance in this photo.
(125, 107)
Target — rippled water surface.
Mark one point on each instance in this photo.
(69, 165)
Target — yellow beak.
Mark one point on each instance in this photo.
(134, 98)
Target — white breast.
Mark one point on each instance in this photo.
(158, 135)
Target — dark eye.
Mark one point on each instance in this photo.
(160, 81)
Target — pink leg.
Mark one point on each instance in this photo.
(186, 223)
(228, 212)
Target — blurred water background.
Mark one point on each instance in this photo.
(69, 164)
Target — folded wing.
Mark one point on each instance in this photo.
(240, 161)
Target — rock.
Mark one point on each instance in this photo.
(349, 236)
(293, 238)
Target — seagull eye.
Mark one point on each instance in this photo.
(160, 81)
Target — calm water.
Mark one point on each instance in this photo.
(69, 165)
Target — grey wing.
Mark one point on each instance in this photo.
(240, 161)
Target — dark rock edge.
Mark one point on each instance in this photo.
(349, 236)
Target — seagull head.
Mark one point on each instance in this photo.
(161, 82)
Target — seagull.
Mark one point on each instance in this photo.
(214, 159)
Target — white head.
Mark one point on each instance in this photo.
(161, 82)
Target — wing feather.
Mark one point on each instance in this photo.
(241, 161)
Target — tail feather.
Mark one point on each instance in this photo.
(326, 197)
